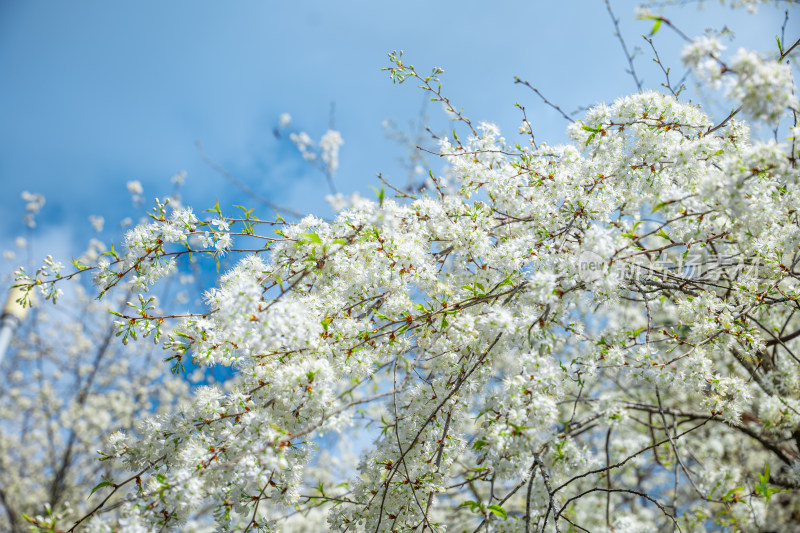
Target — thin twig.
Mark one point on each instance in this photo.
(545, 100)
(628, 56)
(664, 69)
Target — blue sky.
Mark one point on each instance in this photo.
(95, 94)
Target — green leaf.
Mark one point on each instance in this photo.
(589, 128)
(658, 206)
(247, 212)
(762, 488)
(505, 282)
(661, 233)
(519, 429)
(312, 238)
(499, 511)
(215, 209)
(104, 483)
(731, 494)
(765, 476)
(473, 505)
(656, 26)
(381, 194)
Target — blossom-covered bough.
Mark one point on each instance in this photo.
(590, 337)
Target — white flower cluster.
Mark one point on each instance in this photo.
(33, 204)
(703, 56)
(324, 154)
(329, 143)
(765, 88)
(339, 202)
(304, 144)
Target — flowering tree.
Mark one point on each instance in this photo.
(65, 385)
(589, 337)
